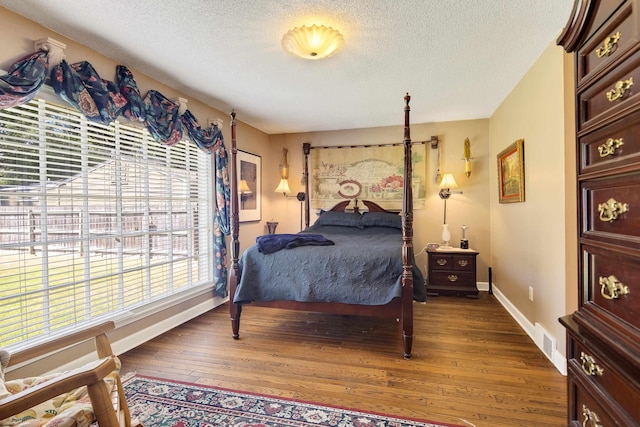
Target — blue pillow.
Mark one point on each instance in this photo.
(344, 219)
(381, 219)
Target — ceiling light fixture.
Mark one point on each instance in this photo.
(314, 42)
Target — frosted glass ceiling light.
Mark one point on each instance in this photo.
(314, 42)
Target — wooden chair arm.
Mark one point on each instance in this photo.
(90, 374)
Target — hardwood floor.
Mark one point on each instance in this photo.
(471, 365)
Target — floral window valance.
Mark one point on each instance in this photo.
(103, 101)
(24, 79)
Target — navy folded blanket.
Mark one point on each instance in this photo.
(270, 243)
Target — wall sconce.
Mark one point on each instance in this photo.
(244, 190)
(467, 157)
(447, 183)
(283, 186)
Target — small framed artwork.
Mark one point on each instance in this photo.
(249, 186)
(511, 173)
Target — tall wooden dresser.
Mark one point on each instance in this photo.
(603, 335)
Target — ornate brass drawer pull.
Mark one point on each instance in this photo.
(608, 46)
(452, 277)
(463, 262)
(619, 90)
(589, 365)
(590, 418)
(610, 146)
(610, 210)
(441, 261)
(612, 288)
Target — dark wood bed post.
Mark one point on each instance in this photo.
(234, 309)
(407, 238)
(306, 149)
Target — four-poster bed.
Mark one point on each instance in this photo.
(366, 270)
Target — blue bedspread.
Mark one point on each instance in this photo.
(363, 267)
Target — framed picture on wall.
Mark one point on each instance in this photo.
(249, 186)
(511, 173)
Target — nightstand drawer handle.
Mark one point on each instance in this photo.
(610, 146)
(608, 45)
(619, 90)
(463, 262)
(589, 365)
(612, 288)
(441, 261)
(610, 210)
(452, 277)
(590, 418)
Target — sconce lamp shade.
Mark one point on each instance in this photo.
(314, 42)
(448, 181)
(243, 187)
(283, 187)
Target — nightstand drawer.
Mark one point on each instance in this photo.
(460, 278)
(452, 262)
(440, 261)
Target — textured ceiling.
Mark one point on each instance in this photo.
(458, 59)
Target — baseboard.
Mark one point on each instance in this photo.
(545, 341)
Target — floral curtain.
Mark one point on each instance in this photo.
(80, 85)
(24, 79)
(211, 141)
(134, 110)
(162, 118)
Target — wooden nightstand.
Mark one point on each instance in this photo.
(452, 271)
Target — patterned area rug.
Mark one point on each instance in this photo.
(162, 403)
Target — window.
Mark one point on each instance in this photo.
(95, 220)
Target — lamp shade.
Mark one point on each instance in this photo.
(283, 187)
(448, 181)
(243, 187)
(314, 42)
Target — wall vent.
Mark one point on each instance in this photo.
(545, 341)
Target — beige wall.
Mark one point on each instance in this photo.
(528, 239)
(469, 208)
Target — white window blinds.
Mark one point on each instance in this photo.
(94, 220)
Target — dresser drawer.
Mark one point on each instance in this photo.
(589, 363)
(619, 34)
(590, 407)
(610, 95)
(613, 146)
(611, 210)
(612, 283)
